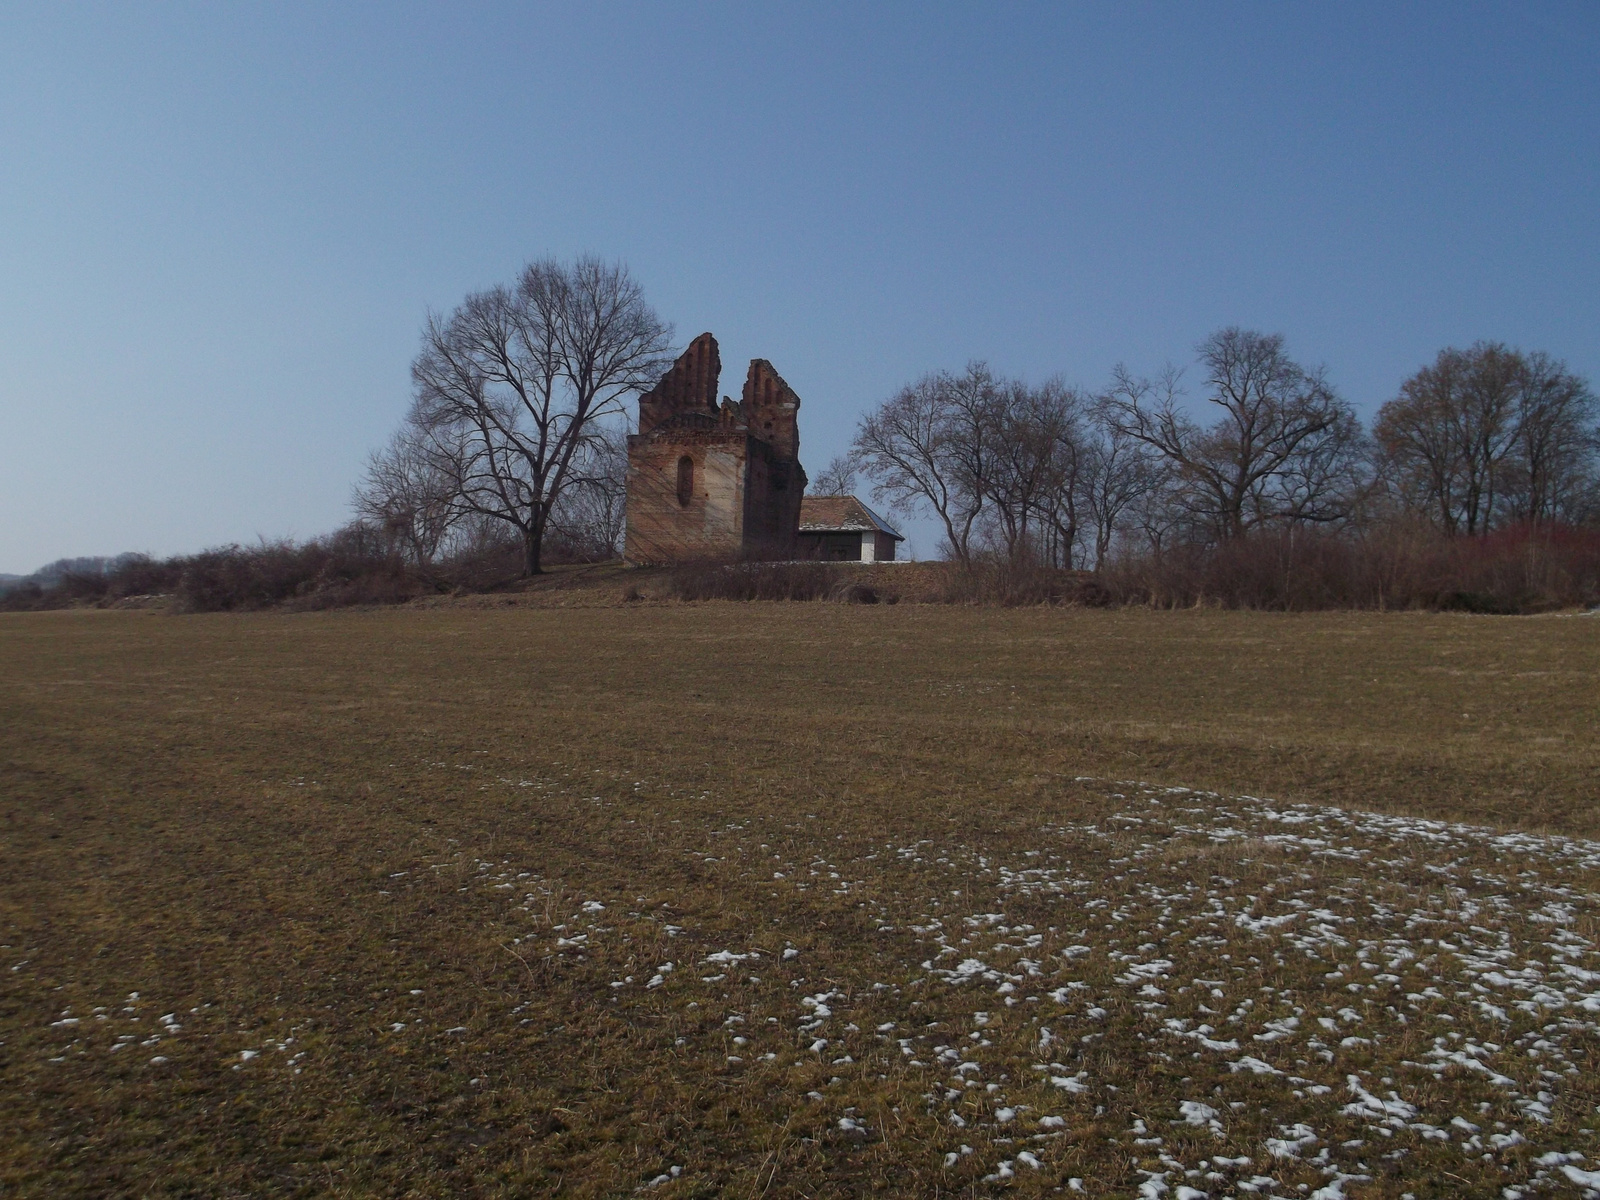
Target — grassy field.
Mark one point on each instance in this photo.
(799, 900)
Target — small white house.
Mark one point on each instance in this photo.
(842, 529)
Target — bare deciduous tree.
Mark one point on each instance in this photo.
(407, 497)
(512, 387)
(1037, 474)
(1450, 430)
(931, 446)
(1418, 439)
(1325, 482)
(1253, 465)
(591, 513)
(1556, 441)
(838, 478)
(1488, 433)
(1032, 481)
(1117, 472)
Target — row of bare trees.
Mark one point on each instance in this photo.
(517, 429)
(1060, 476)
(516, 433)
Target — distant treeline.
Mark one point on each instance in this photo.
(1476, 488)
(1482, 440)
(359, 564)
(52, 573)
(1522, 568)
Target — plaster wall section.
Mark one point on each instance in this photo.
(708, 525)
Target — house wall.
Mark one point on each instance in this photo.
(830, 547)
(772, 410)
(869, 546)
(690, 386)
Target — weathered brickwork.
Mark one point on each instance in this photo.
(710, 482)
(690, 386)
(772, 410)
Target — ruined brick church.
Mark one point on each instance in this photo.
(709, 481)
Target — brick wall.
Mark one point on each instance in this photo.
(747, 482)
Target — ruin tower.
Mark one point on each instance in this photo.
(709, 482)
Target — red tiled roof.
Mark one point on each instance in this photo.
(840, 514)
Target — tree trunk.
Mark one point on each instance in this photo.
(532, 544)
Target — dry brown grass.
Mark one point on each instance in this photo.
(276, 827)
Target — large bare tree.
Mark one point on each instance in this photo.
(1419, 438)
(930, 447)
(591, 514)
(513, 388)
(1033, 482)
(1556, 442)
(1258, 461)
(1451, 431)
(1489, 434)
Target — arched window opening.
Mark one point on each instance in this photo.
(685, 481)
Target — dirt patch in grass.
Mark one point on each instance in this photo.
(385, 902)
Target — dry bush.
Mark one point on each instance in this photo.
(996, 583)
(1516, 570)
(356, 565)
(1018, 585)
(350, 567)
(144, 576)
(757, 581)
(481, 567)
(128, 575)
(1523, 569)
(26, 596)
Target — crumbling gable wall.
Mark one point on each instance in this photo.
(709, 481)
(772, 409)
(772, 508)
(690, 386)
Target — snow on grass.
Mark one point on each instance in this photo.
(1337, 994)
(1239, 996)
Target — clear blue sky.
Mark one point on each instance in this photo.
(222, 225)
